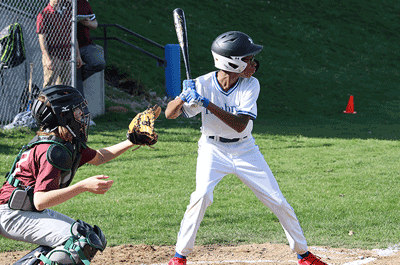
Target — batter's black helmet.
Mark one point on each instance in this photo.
(229, 48)
(68, 109)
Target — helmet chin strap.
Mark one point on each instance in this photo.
(70, 130)
(48, 130)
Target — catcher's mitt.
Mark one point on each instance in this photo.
(141, 129)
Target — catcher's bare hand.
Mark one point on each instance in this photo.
(141, 129)
(97, 184)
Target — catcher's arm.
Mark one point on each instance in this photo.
(97, 184)
(174, 108)
(106, 154)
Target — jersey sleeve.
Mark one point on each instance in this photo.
(87, 155)
(39, 23)
(248, 102)
(189, 111)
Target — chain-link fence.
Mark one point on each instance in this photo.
(47, 27)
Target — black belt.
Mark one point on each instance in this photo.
(226, 140)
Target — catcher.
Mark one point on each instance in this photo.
(43, 171)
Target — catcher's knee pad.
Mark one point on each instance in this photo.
(32, 257)
(80, 248)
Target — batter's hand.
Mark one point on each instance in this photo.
(188, 85)
(194, 98)
(184, 95)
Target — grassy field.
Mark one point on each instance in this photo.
(338, 171)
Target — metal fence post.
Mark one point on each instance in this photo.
(74, 42)
(173, 70)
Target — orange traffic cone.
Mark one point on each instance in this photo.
(350, 106)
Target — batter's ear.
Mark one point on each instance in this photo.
(257, 64)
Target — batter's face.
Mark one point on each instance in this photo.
(251, 67)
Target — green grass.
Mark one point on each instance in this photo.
(338, 171)
(335, 184)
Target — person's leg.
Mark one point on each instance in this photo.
(253, 170)
(47, 228)
(212, 166)
(79, 82)
(64, 70)
(62, 240)
(49, 77)
(93, 57)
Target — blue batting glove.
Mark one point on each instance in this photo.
(189, 84)
(184, 94)
(194, 98)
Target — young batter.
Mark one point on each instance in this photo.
(227, 100)
(40, 178)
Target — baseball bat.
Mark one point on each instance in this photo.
(30, 87)
(181, 32)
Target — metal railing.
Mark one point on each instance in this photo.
(160, 61)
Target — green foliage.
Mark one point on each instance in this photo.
(316, 53)
(338, 171)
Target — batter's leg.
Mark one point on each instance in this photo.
(254, 171)
(212, 166)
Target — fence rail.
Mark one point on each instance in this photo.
(161, 62)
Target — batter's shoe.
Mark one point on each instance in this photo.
(311, 260)
(177, 261)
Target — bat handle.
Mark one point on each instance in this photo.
(30, 88)
(30, 78)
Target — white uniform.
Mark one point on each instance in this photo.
(217, 159)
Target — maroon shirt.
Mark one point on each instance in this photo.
(83, 32)
(33, 169)
(56, 26)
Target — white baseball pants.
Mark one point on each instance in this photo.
(216, 160)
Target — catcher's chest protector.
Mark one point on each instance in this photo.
(60, 154)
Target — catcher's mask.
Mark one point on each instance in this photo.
(67, 108)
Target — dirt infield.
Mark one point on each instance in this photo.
(260, 254)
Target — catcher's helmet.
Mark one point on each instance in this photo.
(229, 48)
(68, 108)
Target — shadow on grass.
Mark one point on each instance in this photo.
(370, 122)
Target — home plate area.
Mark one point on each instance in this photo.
(258, 254)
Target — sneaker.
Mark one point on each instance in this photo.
(177, 261)
(91, 123)
(311, 260)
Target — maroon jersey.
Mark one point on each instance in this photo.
(56, 27)
(33, 169)
(83, 32)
